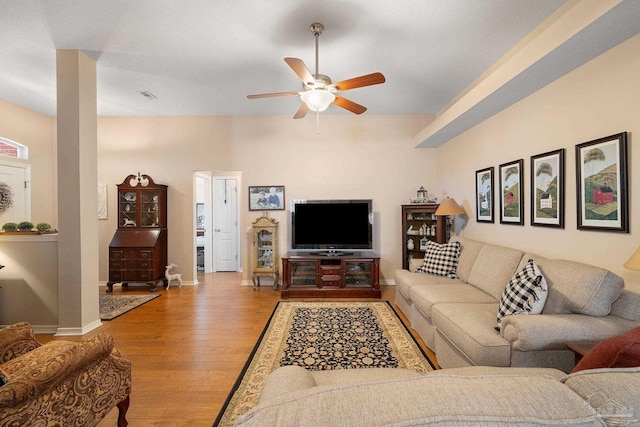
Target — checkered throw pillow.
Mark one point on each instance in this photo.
(525, 293)
(441, 259)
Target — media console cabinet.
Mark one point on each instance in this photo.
(350, 275)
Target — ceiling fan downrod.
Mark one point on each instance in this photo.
(316, 29)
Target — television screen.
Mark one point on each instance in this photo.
(331, 224)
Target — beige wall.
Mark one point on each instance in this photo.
(366, 157)
(352, 157)
(599, 99)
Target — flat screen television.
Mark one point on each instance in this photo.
(334, 226)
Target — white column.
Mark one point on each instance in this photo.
(77, 193)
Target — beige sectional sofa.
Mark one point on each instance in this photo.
(472, 396)
(457, 317)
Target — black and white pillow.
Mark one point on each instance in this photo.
(526, 292)
(441, 259)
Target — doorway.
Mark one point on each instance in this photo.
(216, 216)
(16, 192)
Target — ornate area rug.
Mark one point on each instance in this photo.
(320, 336)
(112, 306)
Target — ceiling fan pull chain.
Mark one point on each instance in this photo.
(318, 122)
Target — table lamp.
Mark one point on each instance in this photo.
(449, 207)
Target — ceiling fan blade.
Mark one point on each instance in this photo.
(300, 69)
(356, 82)
(302, 111)
(270, 95)
(349, 105)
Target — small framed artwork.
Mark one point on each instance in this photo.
(511, 200)
(601, 188)
(547, 189)
(263, 198)
(484, 195)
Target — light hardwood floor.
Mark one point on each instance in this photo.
(188, 347)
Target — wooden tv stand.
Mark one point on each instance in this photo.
(350, 275)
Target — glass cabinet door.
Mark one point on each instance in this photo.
(149, 209)
(128, 209)
(265, 249)
(357, 273)
(303, 273)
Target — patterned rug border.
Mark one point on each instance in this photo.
(110, 316)
(267, 326)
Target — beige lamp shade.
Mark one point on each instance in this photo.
(449, 207)
(633, 263)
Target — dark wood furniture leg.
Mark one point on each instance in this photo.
(123, 407)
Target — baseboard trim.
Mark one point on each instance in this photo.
(68, 332)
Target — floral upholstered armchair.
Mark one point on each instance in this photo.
(62, 382)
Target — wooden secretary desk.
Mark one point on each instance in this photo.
(138, 250)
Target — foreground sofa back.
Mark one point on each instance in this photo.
(457, 317)
(60, 383)
(455, 397)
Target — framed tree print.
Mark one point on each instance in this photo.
(547, 189)
(484, 195)
(511, 200)
(601, 187)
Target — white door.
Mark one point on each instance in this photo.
(16, 189)
(225, 212)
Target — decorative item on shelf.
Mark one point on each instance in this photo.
(449, 207)
(412, 232)
(423, 229)
(423, 243)
(410, 244)
(421, 196)
(10, 227)
(432, 230)
(25, 226)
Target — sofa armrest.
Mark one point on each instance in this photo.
(554, 331)
(33, 373)
(16, 340)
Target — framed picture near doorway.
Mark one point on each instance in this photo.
(266, 197)
(484, 195)
(601, 184)
(511, 191)
(547, 189)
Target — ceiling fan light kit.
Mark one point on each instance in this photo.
(318, 92)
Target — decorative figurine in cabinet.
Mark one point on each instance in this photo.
(419, 225)
(266, 260)
(138, 250)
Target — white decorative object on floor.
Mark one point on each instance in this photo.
(170, 277)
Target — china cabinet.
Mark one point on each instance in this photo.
(265, 251)
(419, 225)
(138, 249)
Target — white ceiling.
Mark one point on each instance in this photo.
(204, 56)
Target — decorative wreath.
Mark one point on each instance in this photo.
(6, 197)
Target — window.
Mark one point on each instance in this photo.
(13, 149)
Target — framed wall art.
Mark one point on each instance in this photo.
(601, 184)
(484, 195)
(511, 191)
(263, 198)
(547, 189)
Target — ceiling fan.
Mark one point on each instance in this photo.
(317, 89)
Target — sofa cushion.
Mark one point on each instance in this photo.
(493, 268)
(469, 327)
(15, 340)
(469, 250)
(441, 259)
(425, 297)
(575, 287)
(440, 400)
(406, 280)
(621, 351)
(613, 393)
(526, 292)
